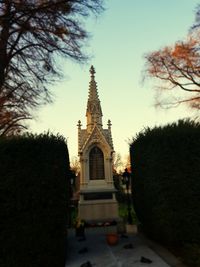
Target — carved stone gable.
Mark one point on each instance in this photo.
(96, 137)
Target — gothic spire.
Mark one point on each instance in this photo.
(93, 94)
(94, 112)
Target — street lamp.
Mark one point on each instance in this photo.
(126, 177)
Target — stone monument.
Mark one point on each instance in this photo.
(95, 149)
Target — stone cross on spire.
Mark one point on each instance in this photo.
(92, 71)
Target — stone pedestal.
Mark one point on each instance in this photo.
(98, 206)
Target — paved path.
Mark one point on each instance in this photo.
(100, 254)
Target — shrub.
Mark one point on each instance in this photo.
(166, 185)
(34, 192)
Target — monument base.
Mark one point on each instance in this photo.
(98, 206)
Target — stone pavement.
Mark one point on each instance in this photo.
(129, 251)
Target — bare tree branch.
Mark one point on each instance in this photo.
(32, 33)
(177, 67)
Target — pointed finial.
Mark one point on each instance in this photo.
(79, 124)
(92, 71)
(109, 124)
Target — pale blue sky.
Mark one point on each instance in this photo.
(120, 37)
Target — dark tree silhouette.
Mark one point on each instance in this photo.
(32, 33)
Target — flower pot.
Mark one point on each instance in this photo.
(112, 239)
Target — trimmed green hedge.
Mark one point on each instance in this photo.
(34, 192)
(166, 181)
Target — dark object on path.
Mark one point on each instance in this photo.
(128, 245)
(123, 236)
(83, 250)
(81, 239)
(86, 264)
(145, 260)
(80, 228)
(80, 231)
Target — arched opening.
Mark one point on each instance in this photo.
(96, 164)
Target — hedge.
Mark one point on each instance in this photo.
(166, 181)
(35, 194)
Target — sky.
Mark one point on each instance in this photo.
(120, 37)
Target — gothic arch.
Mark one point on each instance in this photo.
(96, 164)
